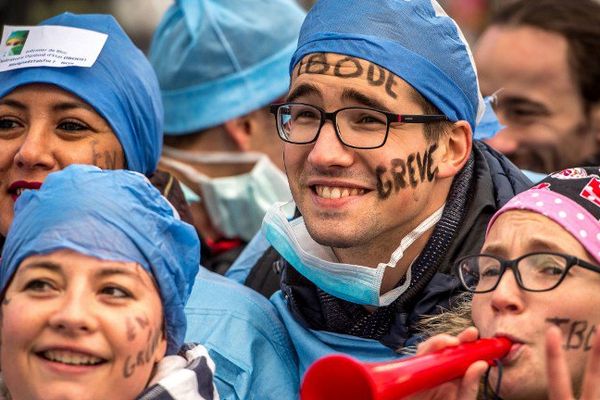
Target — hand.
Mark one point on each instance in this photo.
(559, 377)
(465, 388)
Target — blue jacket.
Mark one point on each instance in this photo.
(245, 337)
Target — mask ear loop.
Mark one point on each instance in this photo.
(487, 388)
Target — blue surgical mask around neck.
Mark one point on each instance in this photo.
(355, 283)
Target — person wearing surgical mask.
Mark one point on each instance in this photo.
(220, 64)
(389, 186)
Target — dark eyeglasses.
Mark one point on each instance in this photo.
(534, 272)
(356, 127)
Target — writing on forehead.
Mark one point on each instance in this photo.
(348, 67)
(414, 170)
(578, 333)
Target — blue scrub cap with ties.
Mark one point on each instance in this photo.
(414, 39)
(111, 215)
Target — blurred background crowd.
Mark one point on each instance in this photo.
(140, 17)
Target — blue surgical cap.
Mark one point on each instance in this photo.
(121, 86)
(413, 39)
(110, 215)
(489, 125)
(221, 59)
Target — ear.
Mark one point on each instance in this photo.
(240, 131)
(454, 149)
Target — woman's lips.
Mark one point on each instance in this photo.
(515, 350)
(18, 187)
(513, 354)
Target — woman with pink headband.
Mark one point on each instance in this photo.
(536, 281)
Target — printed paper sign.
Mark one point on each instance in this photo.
(49, 46)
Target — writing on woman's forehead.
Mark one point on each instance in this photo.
(346, 68)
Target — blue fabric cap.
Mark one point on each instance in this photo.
(121, 86)
(414, 39)
(221, 59)
(111, 215)
(488, 125)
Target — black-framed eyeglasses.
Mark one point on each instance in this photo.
(356, 127)
(534, 272)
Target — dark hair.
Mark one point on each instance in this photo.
(578, 21)
(433, 130)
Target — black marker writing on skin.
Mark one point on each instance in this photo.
(411, 170)
(353, 63)
(371, 75)
(143, 356)
(349, 67)
(130, 330)
(103, 159)
(110, 160)
(417, 168)
(315, 64)
(142, 321)
(579, 333)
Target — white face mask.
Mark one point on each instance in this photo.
(355, 283)
(235, 204)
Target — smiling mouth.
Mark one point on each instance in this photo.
(336, 192)
(70, 358)
(19, 187)
(20, 191)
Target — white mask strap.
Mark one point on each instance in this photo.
(185, 169)
(213, 157)
(409, 239)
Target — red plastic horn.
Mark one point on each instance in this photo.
(342, 377)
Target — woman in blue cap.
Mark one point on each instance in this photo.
(93, 292)
(79, 92)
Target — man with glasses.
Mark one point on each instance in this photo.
(535, 281)
(389, 188)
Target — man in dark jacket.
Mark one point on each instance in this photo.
(389, 187)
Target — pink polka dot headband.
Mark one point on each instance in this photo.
(571, 198)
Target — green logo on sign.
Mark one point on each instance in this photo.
(16, 40)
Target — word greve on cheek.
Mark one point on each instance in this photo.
(579, 333)
(103, 159)
(143, 322)
(416, 169)
(143, 356)
(349, 67)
